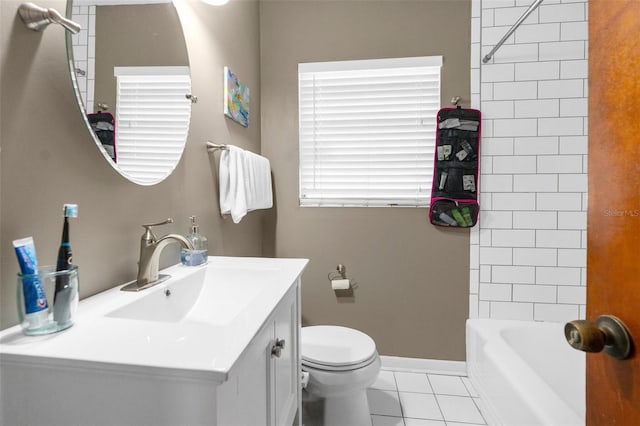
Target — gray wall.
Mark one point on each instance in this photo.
(48, 158)
(413, 279)
(122, 42)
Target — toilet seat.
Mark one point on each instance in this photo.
(308, 365)
(335, 348)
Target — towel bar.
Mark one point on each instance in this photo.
(215, 146)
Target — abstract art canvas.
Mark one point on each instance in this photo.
(236, 98)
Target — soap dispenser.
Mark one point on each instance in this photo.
(200, 252)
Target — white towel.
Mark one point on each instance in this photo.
(245, 182)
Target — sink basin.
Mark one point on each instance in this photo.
(171, 303)
(211, 296)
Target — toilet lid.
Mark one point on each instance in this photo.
(335, 346)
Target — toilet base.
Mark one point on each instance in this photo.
(352, 410)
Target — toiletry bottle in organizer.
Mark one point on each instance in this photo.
(200, 252)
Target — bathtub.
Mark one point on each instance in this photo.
(525, 373)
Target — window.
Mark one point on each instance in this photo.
(152, 120)
(367, 131)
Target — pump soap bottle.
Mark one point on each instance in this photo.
(200, 252)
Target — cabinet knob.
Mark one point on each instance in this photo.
(276, 350)
(608, 334)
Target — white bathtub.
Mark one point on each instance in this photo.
(526, 373)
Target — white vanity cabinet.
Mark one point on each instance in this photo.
(231, 358)
(264, 388)
(286, 368)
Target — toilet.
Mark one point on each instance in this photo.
(341, 363)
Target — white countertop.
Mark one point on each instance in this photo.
(236, 297)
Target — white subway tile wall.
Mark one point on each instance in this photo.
(528, 254)
(84, 52)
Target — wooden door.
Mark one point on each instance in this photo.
(613, 248)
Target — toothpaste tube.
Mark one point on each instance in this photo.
(35, 300)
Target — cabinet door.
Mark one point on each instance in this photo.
(245, 398)
(285, 368)
(265, 388)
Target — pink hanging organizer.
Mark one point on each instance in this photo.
(454, 194)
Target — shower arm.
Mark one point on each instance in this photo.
(37, 18)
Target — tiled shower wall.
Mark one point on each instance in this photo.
(528, 254)
(84, 51)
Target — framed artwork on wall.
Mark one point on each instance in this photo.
(236, 98)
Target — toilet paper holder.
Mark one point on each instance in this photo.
(340, 272)
(338, 279)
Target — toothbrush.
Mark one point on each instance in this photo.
(65, 257)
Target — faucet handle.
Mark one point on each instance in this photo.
(169, 220)
(148, 234)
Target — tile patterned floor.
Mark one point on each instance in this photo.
(419, 399)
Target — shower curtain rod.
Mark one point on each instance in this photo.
(511, 30)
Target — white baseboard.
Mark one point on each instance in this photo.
(420, 365)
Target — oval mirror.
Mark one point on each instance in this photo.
(130, 71)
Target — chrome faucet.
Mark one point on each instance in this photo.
(149, 263)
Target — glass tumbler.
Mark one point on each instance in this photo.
(51, 300)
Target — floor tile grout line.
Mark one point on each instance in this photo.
(433, 372)
(435, 396)
(469, 386)
(391, 417)
(432, 393)
(424, 393)
(484, 421)
(465, 423)
(395, 380)
(419, 418)
(463, 385)
(479, 410)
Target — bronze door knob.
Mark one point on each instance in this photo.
(608, 334)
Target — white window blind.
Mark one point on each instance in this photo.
(367, 131)
(152, 120)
